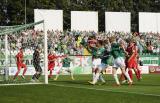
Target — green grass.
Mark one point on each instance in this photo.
(65, 90)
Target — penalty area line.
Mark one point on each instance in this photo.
(106, 90)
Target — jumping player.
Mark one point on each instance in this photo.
(20, 64)
(97, 52)
(116, 52)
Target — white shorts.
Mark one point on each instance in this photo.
(96, 62)
(119, 62)
(64, 69)
(102, 67)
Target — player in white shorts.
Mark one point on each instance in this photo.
(118, 62)
(65, 68)
(97, 64)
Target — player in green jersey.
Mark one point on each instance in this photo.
(97, 53)
(65, 67)
(117, 53)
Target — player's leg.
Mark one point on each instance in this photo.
(115, 76)
(126, 75)
(137, 71)
(97, 63)
(102, 68)
(50, 68)
(58, 73)
(95, 78)
(121, 64)
(38, 72)
(101, 78)
(24, 71)
(19, 68)
(70, 71)
(130, 73)
(114, 71)
(123, 78)
(130, 65)
(94, 68)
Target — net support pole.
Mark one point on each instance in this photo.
(6, 58)
(45, 54)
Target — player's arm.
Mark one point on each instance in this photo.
(18, 58)
(124, 49)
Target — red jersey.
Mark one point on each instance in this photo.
(51, 58)
(19, 57)
(132, 50)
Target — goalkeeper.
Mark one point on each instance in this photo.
(36, 64)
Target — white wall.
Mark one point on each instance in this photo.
(118, 21)
(53, 19)
(84, 21)
(158, 22)
(148, 22)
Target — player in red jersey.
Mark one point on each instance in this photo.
(131, 59)
(51, 61)
(20, 64)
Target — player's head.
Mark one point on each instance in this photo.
(37, 48)
(112, 39)
(131, 42)
(99, 43)
(52, 51)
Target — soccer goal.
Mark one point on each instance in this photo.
(23, 55)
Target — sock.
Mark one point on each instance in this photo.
(38, 75)
(116, 78)
(24, 71)
(130, 74)
(57, 76)
(16, 73)
(50, 74)
(127, 76)
(96, 78)
(139, 73)
(34, 76)
(94, 75)
(101, 78)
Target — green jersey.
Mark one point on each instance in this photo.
(107, 58)
(116, 51)
(100, 51)
(66, 62)
(97, 52)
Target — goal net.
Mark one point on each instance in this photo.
(23, 55)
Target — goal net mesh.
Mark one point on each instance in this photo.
(12, 40)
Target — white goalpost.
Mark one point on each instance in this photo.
(23, 35)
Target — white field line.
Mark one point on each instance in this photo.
(13, 84)
(106, 90)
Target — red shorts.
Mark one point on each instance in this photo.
(51, 66)
(21, 65)
(132, 64)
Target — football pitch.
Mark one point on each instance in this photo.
(65, 90)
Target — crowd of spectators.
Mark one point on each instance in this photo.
(72, 42)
